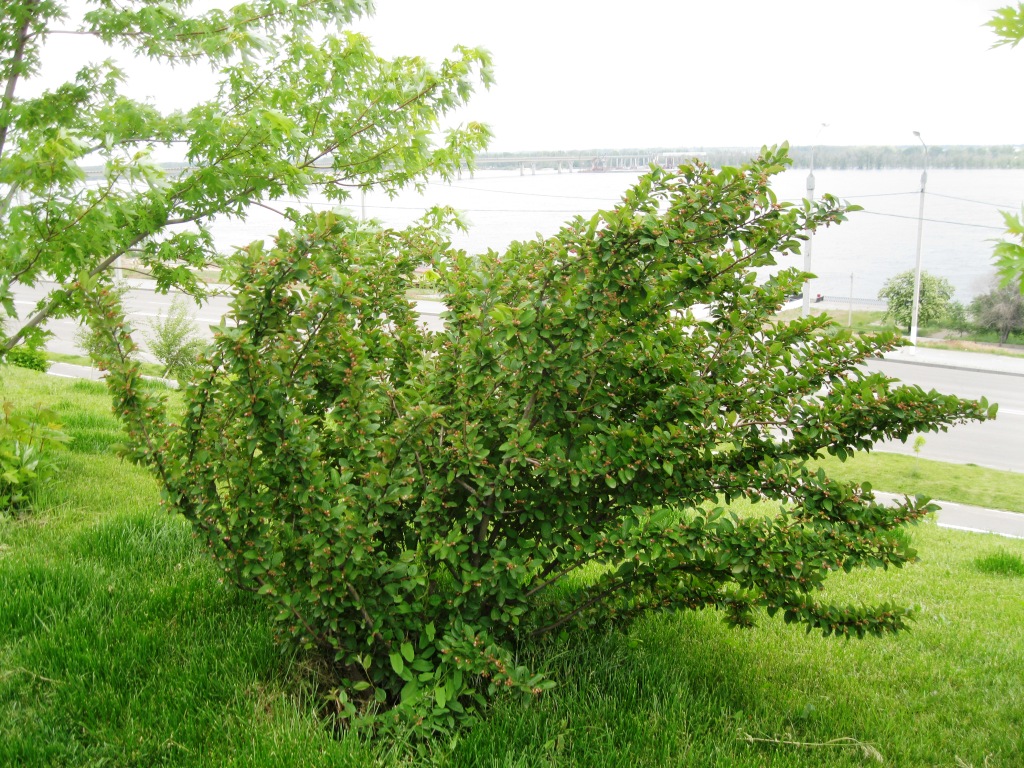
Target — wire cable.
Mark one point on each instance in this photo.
(969, 200)
(933, 221)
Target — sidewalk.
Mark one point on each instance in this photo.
(964, 361)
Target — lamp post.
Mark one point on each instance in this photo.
(810, 237)
(920, 229)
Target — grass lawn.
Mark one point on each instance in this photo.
(871, 321)
(962, 483)
(119, 646)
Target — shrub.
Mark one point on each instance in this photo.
(25, 438)
(24, 357)
(91, 341)
(417, 504)
(957, 318)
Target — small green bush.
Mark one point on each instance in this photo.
(1001, 563)
(25, 437)
(24, 357)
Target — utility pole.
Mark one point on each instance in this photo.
(810, 238)
(849, 317)
(920, 230)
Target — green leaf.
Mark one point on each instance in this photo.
(397, 663)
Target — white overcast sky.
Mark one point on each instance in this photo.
(644, 73)
(577, 74)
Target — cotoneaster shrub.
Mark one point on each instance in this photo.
(417, 504)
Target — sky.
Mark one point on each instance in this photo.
(663, 73)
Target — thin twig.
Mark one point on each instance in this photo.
(869, 750)
(31, 674)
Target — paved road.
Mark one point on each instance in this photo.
(966, 518)
(144, 306)
(998, 444)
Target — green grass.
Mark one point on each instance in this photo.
(972, 346)
(861, 321)
(871, 321)
(962, 483)
(1001, 562)
(119, 646)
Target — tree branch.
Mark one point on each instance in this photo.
(15, 65)
(59, 297)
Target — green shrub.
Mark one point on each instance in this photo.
(933, 298)
(416, 505)
(25, 438)
(957, 318)
(24, 357)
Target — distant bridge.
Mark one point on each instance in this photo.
(585, 162)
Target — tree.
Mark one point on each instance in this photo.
(416, 505)
(1001, 309)
(296, 111)
(1008, 24)
(934, 299)
(175, 342)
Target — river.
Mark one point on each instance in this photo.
(961, 218)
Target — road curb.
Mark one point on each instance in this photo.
(949, 366)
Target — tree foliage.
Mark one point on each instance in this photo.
(1001, 309)
(295, 111)
(416, 505)
(175, 342)
(1008, 24)
(1009, 255)
(934, 300)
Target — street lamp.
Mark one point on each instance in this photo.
(810, 237)
(920, 230)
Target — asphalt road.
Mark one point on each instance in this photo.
(144, 306)
(998, 444)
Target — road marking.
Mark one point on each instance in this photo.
(977, 530)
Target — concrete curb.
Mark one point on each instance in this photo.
(952, 366)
